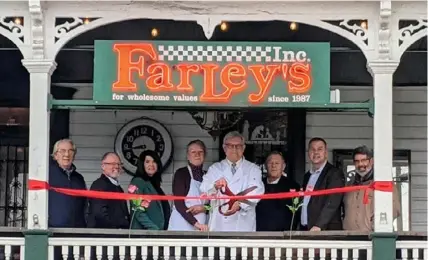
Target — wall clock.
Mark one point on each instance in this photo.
(139, 135)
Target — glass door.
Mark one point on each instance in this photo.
(264, 132)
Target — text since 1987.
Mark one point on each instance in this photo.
(301, 98)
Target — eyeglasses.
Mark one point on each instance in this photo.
(234, 146)
(64, 151)
(362, 160)
(113, 164)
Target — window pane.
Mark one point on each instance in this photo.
(401, 176)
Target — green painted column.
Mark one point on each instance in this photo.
(384, 246)
(36, 244)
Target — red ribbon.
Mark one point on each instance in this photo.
(385, 186)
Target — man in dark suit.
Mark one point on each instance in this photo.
(108, 213)
(321, 212)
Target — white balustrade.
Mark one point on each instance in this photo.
(412, 250)
(208, 249)
(12, 248)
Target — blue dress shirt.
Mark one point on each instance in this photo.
(311, 183)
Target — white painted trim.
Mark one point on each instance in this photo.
(12, 37)
(414, 38)
(118, 18)
(382, 36)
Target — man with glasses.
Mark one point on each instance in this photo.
(360, 216)
(65, 211)
(233, 176)
(108, 213)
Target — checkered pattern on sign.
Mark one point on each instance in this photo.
(215, 53)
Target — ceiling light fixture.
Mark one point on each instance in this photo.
(293, 26)
(224, 26)
(17, 20)
(155, 32)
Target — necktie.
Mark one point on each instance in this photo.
(233, 168)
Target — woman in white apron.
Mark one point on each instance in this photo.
(189, 215)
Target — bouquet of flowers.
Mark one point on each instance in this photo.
(136, 204)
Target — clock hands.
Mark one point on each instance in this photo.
(142, 146)
(139, 135)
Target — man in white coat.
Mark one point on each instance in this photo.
(234, 174)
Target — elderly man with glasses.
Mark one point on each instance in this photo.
(233, 176)
(108, 213)
(65, 211)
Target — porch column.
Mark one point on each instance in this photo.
(383, 236)
(36, 243)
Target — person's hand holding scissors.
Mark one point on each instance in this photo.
(220, 183)
(236, 206)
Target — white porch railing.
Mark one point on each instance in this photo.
(211, 249)
(84, 244)
(412, 250)
(12, 248)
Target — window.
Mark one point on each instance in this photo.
(14, 116)
(264, 132)
(401, 176)
(13, 185)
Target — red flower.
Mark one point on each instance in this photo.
(145, 204)
(132, 188)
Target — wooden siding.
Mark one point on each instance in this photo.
(94, 132)
(347, 130)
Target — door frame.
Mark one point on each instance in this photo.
(296, 143)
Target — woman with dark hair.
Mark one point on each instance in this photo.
(148, 181)
(189, 215)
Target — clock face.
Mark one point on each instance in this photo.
(140, 135)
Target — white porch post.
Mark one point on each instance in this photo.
(40, 80)
(382, 72)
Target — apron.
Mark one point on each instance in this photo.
(177, 222)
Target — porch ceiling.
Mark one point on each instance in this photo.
(188, 30)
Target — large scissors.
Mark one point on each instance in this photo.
(228, 192)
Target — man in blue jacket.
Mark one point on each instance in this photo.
(65, 211)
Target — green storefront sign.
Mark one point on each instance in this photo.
(215, 74)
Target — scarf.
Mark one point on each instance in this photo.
(197, 171)
(359, 180)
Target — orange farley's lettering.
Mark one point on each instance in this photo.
(141, 59)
